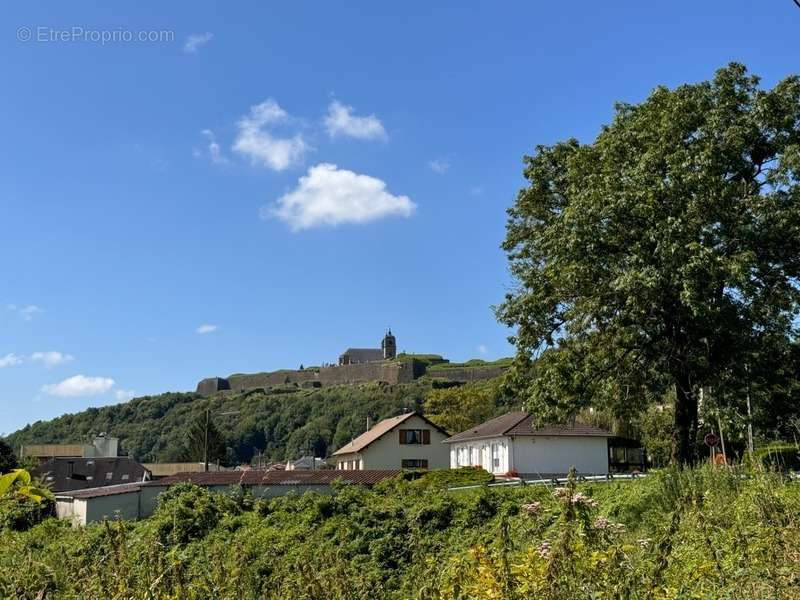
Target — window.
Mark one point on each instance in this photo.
(415, 436)
(125, 476)
(413, 463)
(109, 476)
(495, 456)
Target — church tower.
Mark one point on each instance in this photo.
(389, 346)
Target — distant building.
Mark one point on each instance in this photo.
(139, 500)
(167, 469)
(408, 441)
(102, 446)
(68, 474)
(306, 463)
(387, 351)
(513, 443)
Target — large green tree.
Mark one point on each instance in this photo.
(664, 253)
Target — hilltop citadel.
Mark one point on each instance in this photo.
(359, 365)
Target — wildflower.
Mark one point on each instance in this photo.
(560, 492)
(606, 524)
(582, 499)
(532, 509)
(544, 550)
(643, 543)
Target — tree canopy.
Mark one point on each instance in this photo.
(665, 253)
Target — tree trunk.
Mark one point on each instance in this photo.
(685, 421)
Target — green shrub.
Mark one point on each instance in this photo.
(782, 457)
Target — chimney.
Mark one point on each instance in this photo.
(70, 469)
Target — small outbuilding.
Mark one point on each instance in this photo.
(514, 443)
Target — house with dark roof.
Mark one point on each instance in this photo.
(514, 442)
(407, 441)
(67, 474)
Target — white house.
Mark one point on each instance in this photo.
(408, 441)
(510, 443)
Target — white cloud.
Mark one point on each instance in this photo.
(328, 195)
(79, 385)
(10, 360)
(51, 359)
(195, 41)
(475, 190)
(124, 395)
(262, 147)
(214, 150)
(340, 120)
(26, 312)
(439, 165)
(482, 349)
(206, 328)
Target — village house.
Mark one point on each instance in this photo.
(407, 441)
(67, 474)
(513, 443)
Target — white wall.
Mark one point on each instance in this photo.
(556, 454)
(126, 506)
(387, 452)
(478, 453)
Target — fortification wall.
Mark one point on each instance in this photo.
(390, 372)
(467, 374)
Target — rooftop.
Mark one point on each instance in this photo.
(366, 438)
(521, 423)
(255, 477)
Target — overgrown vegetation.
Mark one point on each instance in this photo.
(696, 533)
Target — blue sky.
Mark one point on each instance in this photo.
(296, 177)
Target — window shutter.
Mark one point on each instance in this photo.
(426, 436)
(402, 436)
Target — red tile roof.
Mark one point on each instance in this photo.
(254, 477)
(522, 424)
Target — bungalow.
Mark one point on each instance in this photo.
(513, 443)
(407, 441)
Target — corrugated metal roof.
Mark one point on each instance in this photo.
(521, 423)
(109, 490)
(366, 438)
(254, 477)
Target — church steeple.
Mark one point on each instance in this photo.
(389, 345)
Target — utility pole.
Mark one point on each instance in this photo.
(749, 414)
(205, 443)
(205, 434)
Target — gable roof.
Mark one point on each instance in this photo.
(364, 354)
(381, 429)
(66, 474)
(521, 423)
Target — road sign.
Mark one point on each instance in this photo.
(711, 440)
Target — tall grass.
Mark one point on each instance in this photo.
(692, 533)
